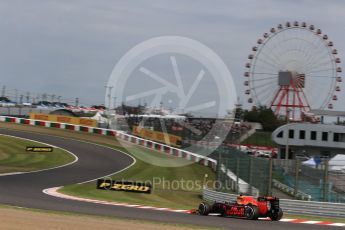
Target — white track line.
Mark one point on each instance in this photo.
(337, 224)
(54, 192)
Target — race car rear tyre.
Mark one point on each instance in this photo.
(252, 212)
(275, 216)
(204, 209)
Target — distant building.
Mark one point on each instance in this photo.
(305, 139)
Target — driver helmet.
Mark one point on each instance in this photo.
(240, 199)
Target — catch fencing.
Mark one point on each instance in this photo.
(23, 111)
(324, 181)
(242, 173)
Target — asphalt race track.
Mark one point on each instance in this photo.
(25, 190)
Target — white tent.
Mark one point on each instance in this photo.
(311, 163)
(99, 118)
(337, 163)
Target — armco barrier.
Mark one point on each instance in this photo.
(289, 206)
(120, 135)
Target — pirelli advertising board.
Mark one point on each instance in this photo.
(157, 136)
(64, 119)
(39, 149)
(128, 186)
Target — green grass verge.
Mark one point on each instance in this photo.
(260, 138)
(174, 187)
(14, 158)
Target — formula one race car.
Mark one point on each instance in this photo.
(245, 207)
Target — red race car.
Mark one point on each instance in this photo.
(245, 207)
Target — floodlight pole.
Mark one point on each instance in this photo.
(108, 88)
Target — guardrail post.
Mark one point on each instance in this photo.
(226, 179)
(219, 170)
(297, 165)
(325, 181)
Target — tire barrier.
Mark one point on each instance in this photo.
(203, 160)
(298, 207)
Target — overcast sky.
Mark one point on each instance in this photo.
(69, 48)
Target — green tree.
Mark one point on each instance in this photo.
(5, 99)
(263, 115)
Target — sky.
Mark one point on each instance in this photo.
(69, 48)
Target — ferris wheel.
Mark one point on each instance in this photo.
(292, 69)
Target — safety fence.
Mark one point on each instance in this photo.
(23, 111)
(322, 182)
(245, 174)
(203, 160)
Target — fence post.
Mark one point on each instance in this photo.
(325, 182)
(226, 179)
(250, 175)
(270, 177)
(219, 170)
(295, 192)
(237, 175)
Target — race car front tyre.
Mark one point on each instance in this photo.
(276, 215)
(252, 212)
(204, 209)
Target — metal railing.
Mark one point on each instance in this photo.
(298, 207)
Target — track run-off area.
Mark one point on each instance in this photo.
(95, 161)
